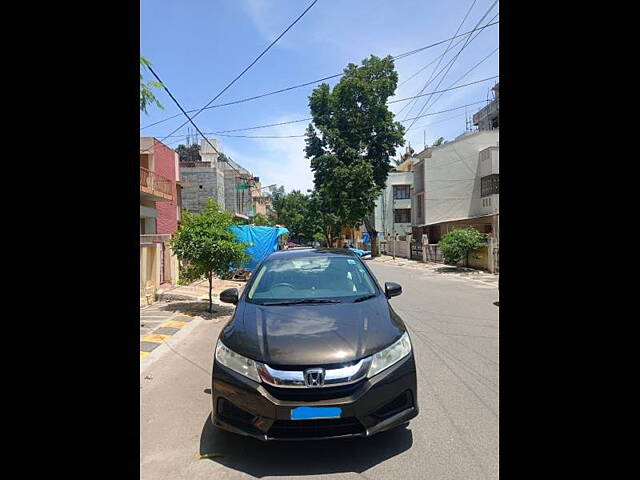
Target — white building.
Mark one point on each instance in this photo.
(457, 184)
(393, 208)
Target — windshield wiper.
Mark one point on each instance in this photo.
(365, 297)
(303, 300)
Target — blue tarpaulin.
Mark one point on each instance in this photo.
(359, 252)
(261, 241)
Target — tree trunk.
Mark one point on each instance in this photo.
(373, 235)
(210, 277)
(327, 236)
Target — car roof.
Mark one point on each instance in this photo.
(312, 252)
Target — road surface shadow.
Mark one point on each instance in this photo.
(263, 459)
(199, 309)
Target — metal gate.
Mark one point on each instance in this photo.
(434, 254)
(416, 251)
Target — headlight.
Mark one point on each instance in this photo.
(390, 355)
(236, 362)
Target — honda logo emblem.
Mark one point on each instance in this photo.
(314, 377)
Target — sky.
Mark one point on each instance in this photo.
(197, 46)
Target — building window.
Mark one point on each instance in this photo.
(401, 192)
(490, 185)
(419, 208)
(402, 215)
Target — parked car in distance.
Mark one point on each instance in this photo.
(313, 350)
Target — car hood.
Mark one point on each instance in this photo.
(314, 334)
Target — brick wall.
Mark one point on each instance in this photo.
(165, 165)
(205, 182)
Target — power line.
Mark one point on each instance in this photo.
(305, 119)
(449, 63)
(455, 58)
(190, 119)
(220, 132)
(251, 64)
(293, 87)
(465, 74)
(443, 55)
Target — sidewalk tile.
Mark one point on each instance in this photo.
(166, 330)
(174, 324)
(155, 337)
(148, 346)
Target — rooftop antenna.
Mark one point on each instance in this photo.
(424, 139)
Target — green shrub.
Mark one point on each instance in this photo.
(457, 244)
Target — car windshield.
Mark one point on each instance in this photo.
(310, 278)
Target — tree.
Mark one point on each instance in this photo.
(438, 142)
(146, 94)
(290, 209)
(320, 220)
(457, 244)
(206, 243)
(190, 153)
(261, 219)
(350, 141)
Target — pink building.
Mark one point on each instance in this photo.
(160, 207)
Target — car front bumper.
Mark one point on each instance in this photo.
(369, 406)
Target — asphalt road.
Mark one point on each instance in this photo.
(453, 324)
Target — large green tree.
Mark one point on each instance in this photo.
(206, 243)
(350, 141)
(146, 94)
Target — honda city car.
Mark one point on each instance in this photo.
(313, 350)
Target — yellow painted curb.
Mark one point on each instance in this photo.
(174, 324)
(155, 338)
(143, 355)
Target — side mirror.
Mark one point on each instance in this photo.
(392, 289)
(230, 295)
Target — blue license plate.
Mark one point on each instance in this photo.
(309, 413)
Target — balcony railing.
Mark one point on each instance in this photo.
(485, 112)
(155, 183)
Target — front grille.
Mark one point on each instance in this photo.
(398, 404)
(315, 428)
(311, 394)
(233, 414)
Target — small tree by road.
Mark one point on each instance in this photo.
(205, 242)
(457, 244)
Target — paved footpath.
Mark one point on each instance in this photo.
(454, 327)
(438, 269)
(176, 309)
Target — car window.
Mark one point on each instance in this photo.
(310, 277)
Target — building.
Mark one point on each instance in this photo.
(392, 214)
(488, 118)
(457, 185)
(160, 213)
(206, 179)
(238, 185)
(261, 202)
(228, 183)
